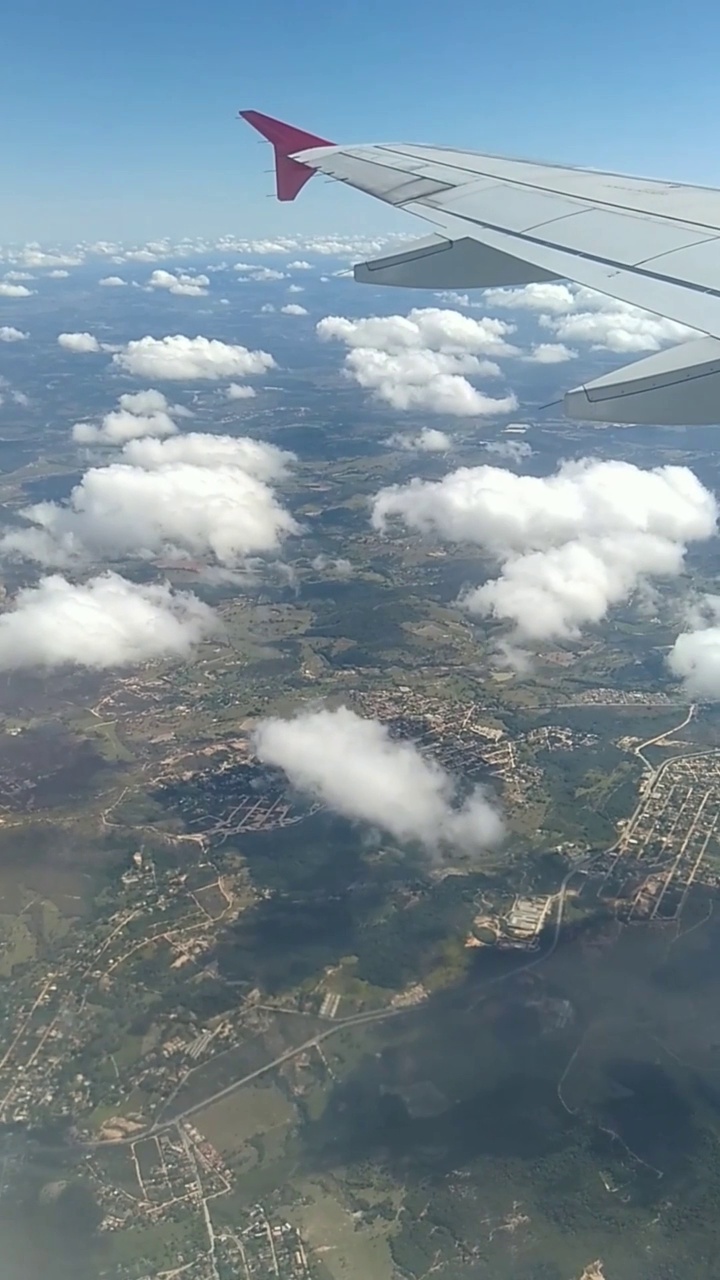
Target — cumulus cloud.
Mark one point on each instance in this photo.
(422, 361)
(58, 274)
(429, 440)
(181, 284)
(113, 282)
(512, 450)
(550, 353)
(8, 290)
(339, 568)
(195, 495)
(299, 265)
(293, 309)
(81, 343)
(295, 288)
(354, 766)
(569, 545)
(240, 391)
(256, 457)
(695, 655)
(144, 413)
(260, 274)
(577, 314)
(9, 334)
(182, 359)
(106, 622)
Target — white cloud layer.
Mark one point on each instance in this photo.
(106, 622)
(570, 545)
(422, 361)
(355, 767)
(182, 359)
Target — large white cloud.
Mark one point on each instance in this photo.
(131, 510)
(570, 545)
(422, 361)
(106, 622)
(10, 334)
(181, 284)
(358, 769)
(695, 655)
(144, 413)
(80, 343)
(182, 359)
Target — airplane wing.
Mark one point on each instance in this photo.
(496, 221)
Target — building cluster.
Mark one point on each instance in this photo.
(671, 841)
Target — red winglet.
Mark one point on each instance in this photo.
(290, 175)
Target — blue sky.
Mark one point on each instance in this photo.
(119, 120)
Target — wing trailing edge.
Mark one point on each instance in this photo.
(439, 263)
(679, 387)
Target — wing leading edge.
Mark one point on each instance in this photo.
(655, 245)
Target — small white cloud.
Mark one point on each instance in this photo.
(550, 353)
(8, 290)
(338, 568)
(512, 450)
(147, 413)
(429, 440)
(295, 288)
(262, 275)
(9, 334)
(106, 622)
(185, 359)
(293, 309)
(113, 282)
(257, 458)
(354, 766)
(299, 265)
(58, 274)
(240, 391)
(181, 284)
(80, 343)
(695, 655)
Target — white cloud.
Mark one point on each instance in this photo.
(58, 274)
(295, 288)
(353, 765)
(695, 656)
(240, 391)
(577, 314)
(8, 334)
(550, 353)
(184, 359)
(33, 256)
(8, 290)
(186, 494)
(267, 307)
(113, 282)
(106, 622)
(339, 568)
(260, 274)
(299, 265)
(421, 361)
(80, 343)
(570, 545)
(182, 284)
(293, 309)
(429, 440)
(146, 413)
(18, 275)
(512, 450)
(256, 457)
